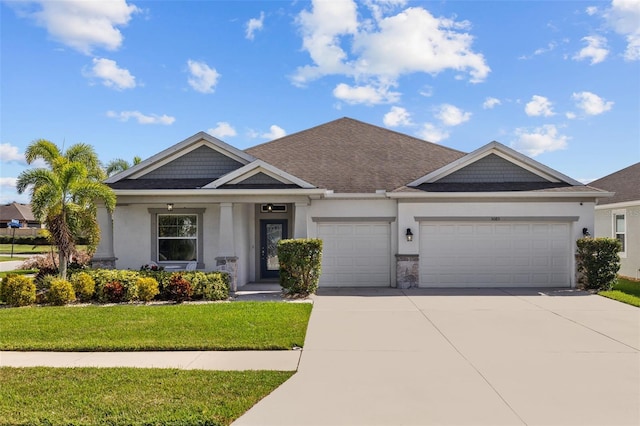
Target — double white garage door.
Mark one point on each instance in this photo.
(452, 254)
(500, 254)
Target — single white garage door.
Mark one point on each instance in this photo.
(495, 254)
(355, 254)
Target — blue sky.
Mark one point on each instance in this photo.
(556, 80)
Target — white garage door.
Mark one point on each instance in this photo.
(489, 254)
(355, 254)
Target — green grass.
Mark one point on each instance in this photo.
(5, 258)
(625, 291)
(128, 396)
(215, 326)
(5, 249)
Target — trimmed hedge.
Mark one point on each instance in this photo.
(599, 262)
(300, 265)
(17, 290)
(33, 240)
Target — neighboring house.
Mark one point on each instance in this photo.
(391, 209)
(619, 216)
(20, 212)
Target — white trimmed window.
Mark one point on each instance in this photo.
(620, 229)
(177, 237)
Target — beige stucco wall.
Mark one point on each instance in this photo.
(630, 260)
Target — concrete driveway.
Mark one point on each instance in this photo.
(462, 357)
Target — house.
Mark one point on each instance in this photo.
(391, 209)
(20, 212)
(619, 216)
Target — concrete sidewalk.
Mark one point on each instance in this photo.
(462, 357)
(186, 360)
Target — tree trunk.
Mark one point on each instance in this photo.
(63, 265)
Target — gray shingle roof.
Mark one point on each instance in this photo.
(625, 183)
(16, 211)
(347, 155)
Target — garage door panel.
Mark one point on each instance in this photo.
(494, 254)
(355, 254)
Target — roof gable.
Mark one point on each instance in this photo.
(200, 156)
(625, 183)
(256, 175)
(495, 163)
(347, 155)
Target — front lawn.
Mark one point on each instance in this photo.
(128, 396)
(626, 291)
(212, 326)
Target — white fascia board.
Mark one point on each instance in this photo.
(253, 168)
(504, 194)
(355, 196)
(504, 152)
(181, 148)
(214, 192)
(621, 205)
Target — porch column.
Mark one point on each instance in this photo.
(300, 221)
(227, 260)
(104, 256)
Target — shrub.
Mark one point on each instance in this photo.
(300, 265)
(178, 289)
(209, 286)
(40, 261)
(60, 292)
(147, 288)
(17, 290)
(83, 285)
(127, 280)
(113, 292)
(598, 262)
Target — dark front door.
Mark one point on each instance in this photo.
(271, 231)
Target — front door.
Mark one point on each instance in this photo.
(271, 231)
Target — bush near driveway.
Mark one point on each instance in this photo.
(599, 262)
(300, 265)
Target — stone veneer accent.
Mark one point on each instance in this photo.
(229, 264)
(103, 262)
(407, 270)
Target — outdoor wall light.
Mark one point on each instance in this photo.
(585, 232)
(409, 234)
(270, 208)
(170, 206)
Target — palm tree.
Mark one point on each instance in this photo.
(119, 165)
(64, 194)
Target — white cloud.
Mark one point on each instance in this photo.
(368, 95)
(624, 18)
(142, 118)
(451, 115)
(541, 51)
(253, 25)
(222, 130)
(80, 24)
(8, 182)
(591, 10)
(540, 140)
(539, 106)
(397, 116)
(596, 49)
(275, 132)
(10, 153)
(431, 133)
(111, 74)
(571, 115)
(489, 103)
(203, 78)
(375, 53)
(591, 103)
(416, 41)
